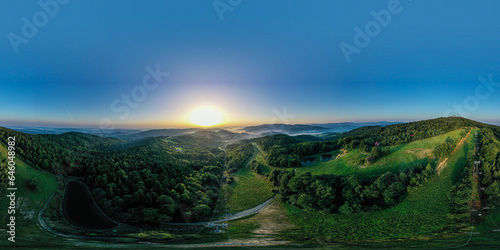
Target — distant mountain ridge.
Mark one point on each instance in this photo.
(352, 124)
(160, 132)
(283, 128)
(249, 131)
(315, 128)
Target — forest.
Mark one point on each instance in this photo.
(142, 182)
(163, 179)
(156, 183)
(287, 151)
(347, 194)
(3, 173)
(489, 155)
(237, 154)
(350, 194)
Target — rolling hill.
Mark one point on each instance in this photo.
(399, 196)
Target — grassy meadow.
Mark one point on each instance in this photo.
(424, 214)
(29, 202)
(401, 157)
(250, 189)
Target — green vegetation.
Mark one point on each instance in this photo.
(400, 197)
(154, 235)
(401, 157)
(489, 231)
(237, 154)
(250, 189)
(489, 155)
(276, 148)
(347, 194)
(142, 182)
(424, 213)
(398, 134)
(60, 154)
(286, 151)
(152, 182)
(260, 158)
(30, 201)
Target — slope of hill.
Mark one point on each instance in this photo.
(211, 138)
(366, 137)
(119, 173)
(401, 157)
(423, 215)
(406, 132)
(398, 196)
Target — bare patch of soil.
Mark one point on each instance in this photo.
(420, 152)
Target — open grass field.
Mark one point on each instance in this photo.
(249, 189)
(401, 157)
(421, 220)
(488, 231)
(259, 156)
(424, 214)
(29, 202)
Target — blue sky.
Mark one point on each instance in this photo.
(264, 56)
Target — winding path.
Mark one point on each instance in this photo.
(443, 164)
(234, 216)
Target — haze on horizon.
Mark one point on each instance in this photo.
(265, 62)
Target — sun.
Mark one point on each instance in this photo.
(206, 116)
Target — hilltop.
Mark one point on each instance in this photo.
(379, 177)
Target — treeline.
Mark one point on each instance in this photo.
(460, 193)
(347, 194)
(3, 173)
(397, 134)
(489, 155)
(256, 167)
(237, 154)
(150, 184)
(143, 182)
(286, 151)
(57, 153)
(377, 152)
(446, 148)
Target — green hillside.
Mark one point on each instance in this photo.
(143, 182)
(422, 215)
(401, 157)
(418, 189)
(249, 188)
(29, 200)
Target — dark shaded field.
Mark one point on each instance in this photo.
(80, 210)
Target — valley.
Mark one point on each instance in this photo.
(417, 192)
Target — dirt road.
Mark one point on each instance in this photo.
(443, 164)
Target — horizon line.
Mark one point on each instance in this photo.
(55, 126)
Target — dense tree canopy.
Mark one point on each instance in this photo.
(287, 151)
(347, 194)
(489, 155)
(237, 154)
(163, 179)
(3, 172)
(147, 181)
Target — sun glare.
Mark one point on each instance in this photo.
(206, 116)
